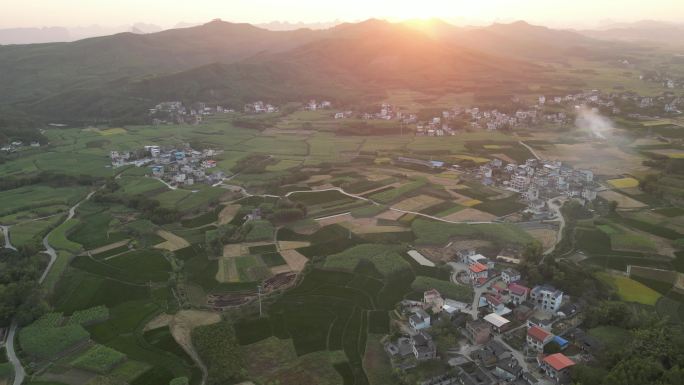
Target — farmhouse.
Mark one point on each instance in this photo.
(499, 323)
(510, 275)
(477, 271)
(518, 293)
(537, 338)
(556, 365)
(423, 346)
(419, 320)
(434, 300)
(547, 298)
(478, 331)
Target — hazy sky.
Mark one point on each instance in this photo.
(35, 13)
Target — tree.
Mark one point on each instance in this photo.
(552, 347)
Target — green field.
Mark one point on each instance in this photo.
(438, 233)
(630, 290)
(59, 237)
(98, 359)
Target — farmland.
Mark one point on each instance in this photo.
(314, 223)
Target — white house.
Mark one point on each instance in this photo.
(510, 275)
(547, 298)
(537, 338)
(419, 320)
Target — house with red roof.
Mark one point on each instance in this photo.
(518, 293)
(556, 366)
(537, 338)
(477, 271)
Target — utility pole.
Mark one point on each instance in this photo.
(259, 295)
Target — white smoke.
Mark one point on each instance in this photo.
(591, 120)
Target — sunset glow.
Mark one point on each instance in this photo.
(168, 13)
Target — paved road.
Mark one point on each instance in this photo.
(19, 373)
(5, 231)
(534, 153)
(559, 235)
(49, 250)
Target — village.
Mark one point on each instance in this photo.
(509, 333)
(174, 166)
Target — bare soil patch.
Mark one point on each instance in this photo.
(334, 219)
(623, 201)
(390, 215)
(280, 269)
(547, 237)
(370, 226)
(446, 254)
(111, 246)
(417, 203)
(470, 215)
(227, 214)
(291, 245)
(173, 241)
(295, 260)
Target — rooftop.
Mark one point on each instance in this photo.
(517, 289)
(538, 333)
(478, 267)
(558, 361)
(496, 320)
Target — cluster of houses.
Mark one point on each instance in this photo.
(615, 102)
(484, 357)
(390, 112)
(176, 166)
(313, 105)
(539, 180)
(175, 112)
(18, 145)
(260, 107)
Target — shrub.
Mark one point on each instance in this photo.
(47, 342)
(99, 359)
(218, 347)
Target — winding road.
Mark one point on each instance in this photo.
(530, 149)
(5, 231)
(19, 373)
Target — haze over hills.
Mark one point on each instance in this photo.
(643, 31)
(123, 74)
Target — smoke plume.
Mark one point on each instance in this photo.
(590, 120)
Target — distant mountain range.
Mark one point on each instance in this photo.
(648, 31)
(120, 76)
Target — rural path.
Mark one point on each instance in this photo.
(528, 147)
(555, 207)
(5, 232)
(166, 184)
(516, 353)
(49, 250)
(478, 291)
(340, 190)
(19, 373)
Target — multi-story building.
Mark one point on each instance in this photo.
(547, 298)
(537, 338)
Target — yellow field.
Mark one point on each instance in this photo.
(471, 202)
(417, 203)
(623, 201)
(630, 290)
(670, 153)
(494, 146)
(475, 159)
(113, 131)
(624, 182)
